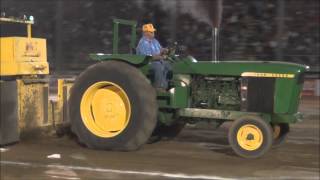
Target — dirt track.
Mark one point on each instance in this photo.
(198, 153)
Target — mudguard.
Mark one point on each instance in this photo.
(133, 59)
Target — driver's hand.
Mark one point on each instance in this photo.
(164, 56)
(164, 51)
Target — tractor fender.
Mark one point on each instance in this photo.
(132, 59)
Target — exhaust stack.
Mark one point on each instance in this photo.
(215, 44)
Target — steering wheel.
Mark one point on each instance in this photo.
(172, 52)
(172, 49)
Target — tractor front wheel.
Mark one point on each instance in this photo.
(112, 106)
(250, 137)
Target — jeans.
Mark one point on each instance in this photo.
(160, 69)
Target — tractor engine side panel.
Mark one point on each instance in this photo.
(215, 93)
(250, 94)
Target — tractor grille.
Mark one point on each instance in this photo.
(259, 95)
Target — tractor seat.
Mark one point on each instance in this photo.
(134, 50)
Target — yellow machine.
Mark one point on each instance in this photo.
(22, 55)
(24, 85)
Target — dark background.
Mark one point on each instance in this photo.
(286, 30)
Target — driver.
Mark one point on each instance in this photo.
(150, 46)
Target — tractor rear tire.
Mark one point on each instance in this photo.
(104, 80)
(280, 132)
(250, 137)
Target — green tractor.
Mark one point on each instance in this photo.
(113, 105)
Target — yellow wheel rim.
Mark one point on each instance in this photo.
(249, 137)
(105, 109)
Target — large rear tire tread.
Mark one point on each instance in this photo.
(142, 97)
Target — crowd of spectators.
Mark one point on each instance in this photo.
(250, 30)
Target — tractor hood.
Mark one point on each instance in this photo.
(189, 65)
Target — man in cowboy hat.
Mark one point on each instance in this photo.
(149, 46)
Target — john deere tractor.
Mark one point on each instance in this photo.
(113, 105)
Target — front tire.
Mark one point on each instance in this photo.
(112, 106)
(250, 137)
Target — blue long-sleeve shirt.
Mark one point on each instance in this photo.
(148, 47)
